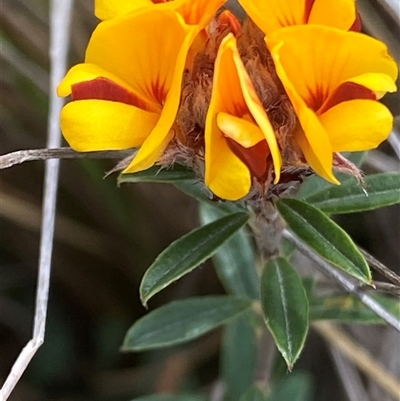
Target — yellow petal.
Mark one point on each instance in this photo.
(379, 83)
(339, 14)
(357, 125)
(274, 14)
(161, 135)
(318, 145)
(226, 175)
(244, 132)
(107, 9)
(322, 71)
(314, 159)
(90, 125)
(134, 49)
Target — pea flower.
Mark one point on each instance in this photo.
(239, 136)
(333, 81)
(127, 92)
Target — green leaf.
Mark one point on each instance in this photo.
(186, 253)
(285, 306)
(157, 174)
(171, 397)
(315, 183)
(254, 393)
(235, 261)
(348, 308)
(325, 237)
(239, 357)
(382, 190)
(182, 321)
(293, 387)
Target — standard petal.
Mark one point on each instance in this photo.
(339, 14)
(161, 135)
(131, 48)
(322, 71)
(314, 141)
(90, 125)
(107, 9)
(357, 125)
(274, 14)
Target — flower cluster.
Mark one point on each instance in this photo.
(247, 104)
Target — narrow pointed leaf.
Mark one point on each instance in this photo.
(285, 306)
(239, 357)
(235, 261)
(181, 321)
(325, 237)
(186, 253)
(381, 190)
(157, 174)
(254, 393)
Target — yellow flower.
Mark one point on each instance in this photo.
(238, 134)
(270, 15)
(333, 79)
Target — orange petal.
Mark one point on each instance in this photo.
(314, 142)
(90, 125)
(161, 135)
(274, 14)
(196, 12)
(357, 125)
(339, 14)
(130, 48)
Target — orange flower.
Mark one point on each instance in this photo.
(333, 79)
(238, 133)
(274, 14)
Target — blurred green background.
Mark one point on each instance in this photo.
(107, 236)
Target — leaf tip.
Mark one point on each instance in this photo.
(290, 366)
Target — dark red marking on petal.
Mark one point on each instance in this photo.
(348, 91)
(254, 157)
(105, 89)
(357, 24)
(307, 9)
